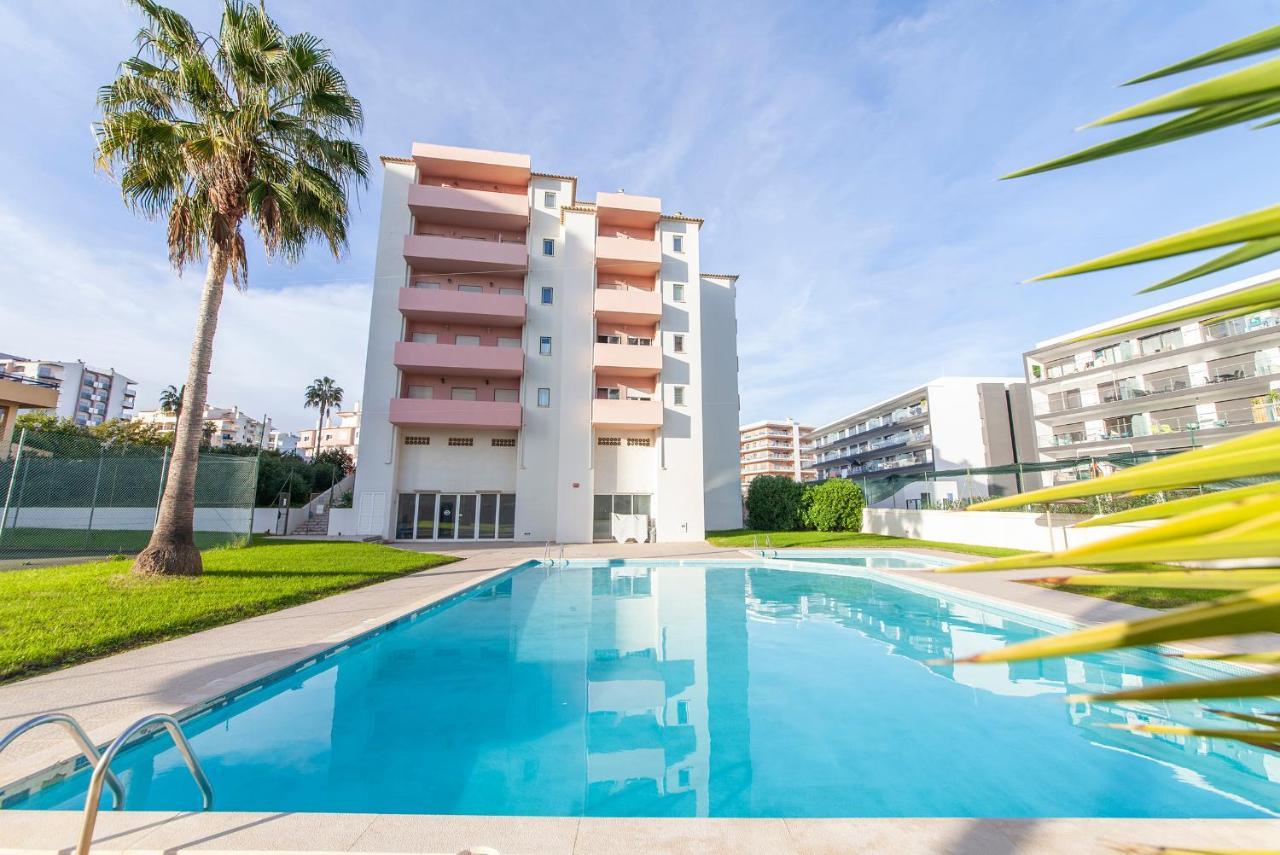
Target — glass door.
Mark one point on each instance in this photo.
(446, 515)
(466, 527)
(426, 517)
(602, 518)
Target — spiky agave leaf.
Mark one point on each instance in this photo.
(1251, 611)
(1255, 43)
(1240, 255)
(1186, 580)
(1268, 738)
(1164, 510)
(1252, 299)
(1253, 455)
(1243, 84)
(1270, 657)
(1252, 686)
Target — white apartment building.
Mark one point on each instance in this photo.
(88, 395)
(779, 448)
(226, 425)
(282, 441)
(342, 431)
(542, 367)
(951, 423)
(1158, 387)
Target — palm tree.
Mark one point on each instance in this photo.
(325, 395)
(207, 131)
(171, 399)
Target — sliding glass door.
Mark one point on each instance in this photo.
(456, 516)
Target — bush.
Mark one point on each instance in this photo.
(774, 503)
(834, 505)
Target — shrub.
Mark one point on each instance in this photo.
(773, 503)
(834, 505)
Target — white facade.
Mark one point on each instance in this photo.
(87, 395)
(951, 423)
(1157, 387)
(224, 425)
(282, 441)
(602, 428)
(342, 431)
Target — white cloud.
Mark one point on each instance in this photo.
(127, 310)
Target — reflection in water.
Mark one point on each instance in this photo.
(660, 690)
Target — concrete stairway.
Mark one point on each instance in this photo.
(318, 524)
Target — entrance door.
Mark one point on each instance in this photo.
(425, 528)
(446, 515)
(466, 527)
(602, 518)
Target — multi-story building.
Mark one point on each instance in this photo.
(342, 431)
(1158, 386)
(542, 367)
(87, 395)
(951, 423)
(224, 425)
(782, 448)
(282, 441)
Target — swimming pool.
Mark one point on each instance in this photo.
(718, 688)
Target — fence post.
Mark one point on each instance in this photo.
(164, 467)
(93, 501)
(253, 487)
(13, 478)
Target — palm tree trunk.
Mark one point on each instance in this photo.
(315, 446)
(172, 550)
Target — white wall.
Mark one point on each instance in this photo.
(129, 519)
(624, 468)
(342, 521)
(1013, 530)
(375, 480)
(438, 466)
(721, 461)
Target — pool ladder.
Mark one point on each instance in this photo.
(546, 555)
(101, 762)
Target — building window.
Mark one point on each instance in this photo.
(544, 396)
(417, 440)
(677, 396)
(677, 343)
(639, 441)
(544, 345)
(421, 393)
(607, 393)
(508, 341)
(608, 440)
(423, 338)
(548, 295)
(510, 396)
(549, 199)
(677, 243)
(548, 246)
(677, 292)
(467, 340)
(506, 442)
(462, 393)
(461, 442)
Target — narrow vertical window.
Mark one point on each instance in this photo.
(548, 246)
(677, 396)
(677, 243)
(544, 345)
(677, 292)
(549, 199)
(548, 295)
(544, 396)
(677, 343)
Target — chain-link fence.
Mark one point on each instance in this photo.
(72, 495)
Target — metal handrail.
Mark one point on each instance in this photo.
(561, 562)
(87, 748)
(101, 770)
(546, 551)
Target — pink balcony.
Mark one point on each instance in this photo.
(623, 209)
(466, 207)
(436, 254)
(470, 360)
(629, 415)
(459, 307)
(630, 256)
(633, 306)
(414, 412)
(628, 360)
(475, 164)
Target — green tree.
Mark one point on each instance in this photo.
(324, 394)
(834, 505)
(171, 399)
(773, 503)
(205, 131)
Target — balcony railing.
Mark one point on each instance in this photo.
(880, 422)
(1263, 413)
(505, 310)
(628, 359)
(1243, 371)
(630, 414)
(459, 359)
(418, 412)
(444, 253)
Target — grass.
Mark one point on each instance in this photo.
(51, 617)
(1151, 598)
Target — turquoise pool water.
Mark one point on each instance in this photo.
(703, 689)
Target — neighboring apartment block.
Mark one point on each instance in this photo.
(782, 448)
(947, 424)
(1160, 386)
(87, 395)
(342, 431)
(542, 367)
(224, 425)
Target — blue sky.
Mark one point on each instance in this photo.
(844, 155)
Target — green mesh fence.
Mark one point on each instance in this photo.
(69, 495)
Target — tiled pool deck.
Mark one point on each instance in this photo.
(173, 676)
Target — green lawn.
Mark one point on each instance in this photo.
(1152, 598)
(51, 617)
